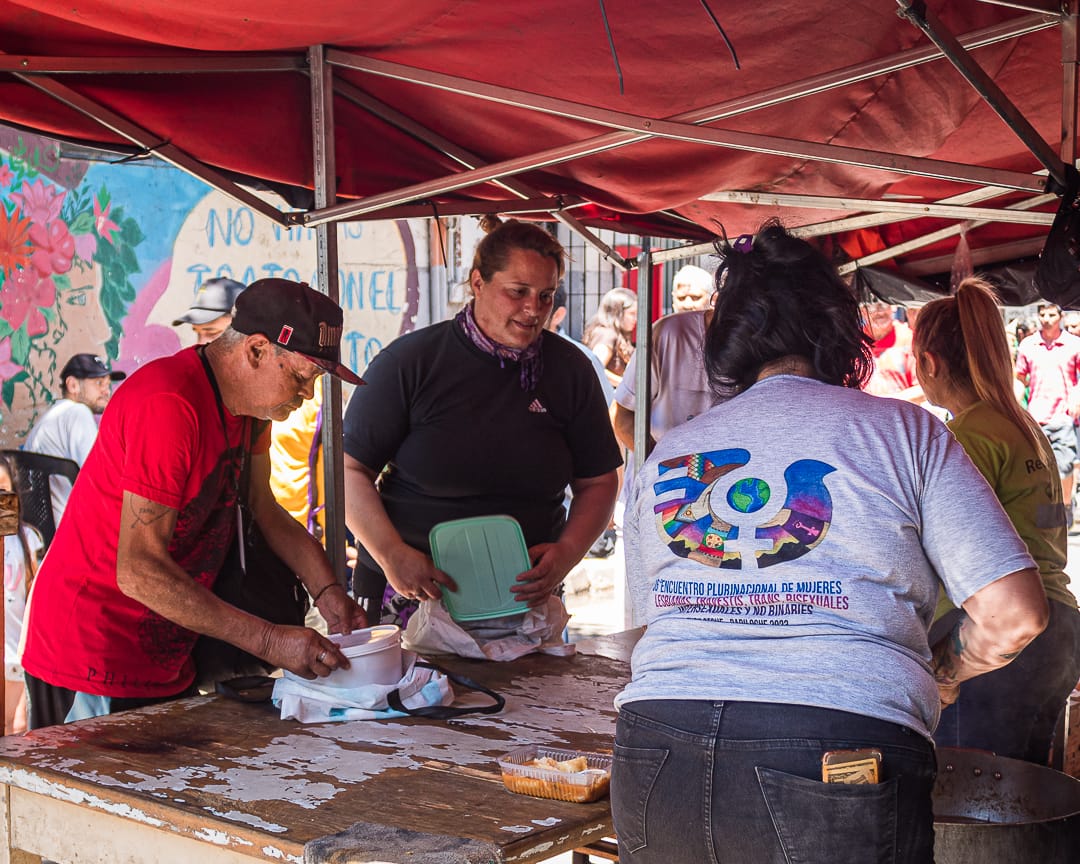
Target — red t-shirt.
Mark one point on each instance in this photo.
(1051, 370)
(161, 438)
(894, 362)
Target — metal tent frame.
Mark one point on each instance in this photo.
(322, 64)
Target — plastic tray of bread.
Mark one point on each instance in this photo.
(565, 775)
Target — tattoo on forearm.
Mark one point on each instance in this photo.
(147, 512)
(947, 657)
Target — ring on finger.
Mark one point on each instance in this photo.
(322, 654)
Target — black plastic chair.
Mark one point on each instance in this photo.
(35, 470)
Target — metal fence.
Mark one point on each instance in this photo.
(589, 275)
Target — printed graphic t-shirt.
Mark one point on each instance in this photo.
(161, 438)
(785, 547)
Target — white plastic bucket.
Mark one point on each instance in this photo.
(375, 655)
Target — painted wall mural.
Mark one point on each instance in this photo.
(103, 257)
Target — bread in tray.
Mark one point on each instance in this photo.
(561, 775)
(559, 789)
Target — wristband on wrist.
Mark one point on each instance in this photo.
(324, 589)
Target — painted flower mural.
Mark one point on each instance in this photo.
(23, 297)
(55, 273)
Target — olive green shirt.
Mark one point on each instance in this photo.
(1027, 486)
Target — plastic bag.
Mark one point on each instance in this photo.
(431, 630)
(1057, 273)
(315, 702)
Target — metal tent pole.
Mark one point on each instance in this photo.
(915, 11)
(326, 236)
(1070, 51)
(642, 389)
(643, 350)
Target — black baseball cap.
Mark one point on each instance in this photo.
(298, 318)
(89, 366)
(215, 297)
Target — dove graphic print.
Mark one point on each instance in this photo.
(725, 520)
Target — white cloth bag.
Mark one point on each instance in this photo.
(431, 630)
(315, 702)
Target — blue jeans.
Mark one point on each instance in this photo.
(1012, 711)
(698, 782)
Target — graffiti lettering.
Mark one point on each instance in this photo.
(377, 295)
(359, 346)
(351, 230)
(295, 235)
(237, 225)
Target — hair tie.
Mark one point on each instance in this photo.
(743, 243)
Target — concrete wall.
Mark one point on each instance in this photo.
(102, 257)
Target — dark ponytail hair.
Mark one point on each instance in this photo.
(779, 296)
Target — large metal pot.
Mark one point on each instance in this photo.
(988, 809)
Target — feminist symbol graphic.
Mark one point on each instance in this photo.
(734, 519)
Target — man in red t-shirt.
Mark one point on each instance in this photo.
(894, 363)
(126, 588)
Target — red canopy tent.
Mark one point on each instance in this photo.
(846, 120)
(628, 115)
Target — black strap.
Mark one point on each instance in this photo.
(447, 712)
(247, 437)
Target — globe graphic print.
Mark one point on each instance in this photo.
(748, 495)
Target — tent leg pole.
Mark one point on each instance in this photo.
(643, 350)
(326, 237)
(1070, 53)
(643, 386)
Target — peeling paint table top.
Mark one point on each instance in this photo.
(232, 782)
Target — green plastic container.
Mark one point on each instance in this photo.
(484, 555)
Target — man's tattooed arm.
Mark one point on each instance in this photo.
(146, 512)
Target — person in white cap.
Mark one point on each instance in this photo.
(69, 428)
(211, 311)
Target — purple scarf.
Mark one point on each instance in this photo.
(532, 362)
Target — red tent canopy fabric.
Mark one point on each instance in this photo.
(672, 60)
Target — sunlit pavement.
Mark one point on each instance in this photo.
(594, 595)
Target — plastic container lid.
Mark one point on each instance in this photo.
(374, 654)
(484, 555)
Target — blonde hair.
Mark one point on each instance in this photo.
(609, 314)
(967, 334)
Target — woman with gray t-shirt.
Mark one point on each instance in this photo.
(784, 549)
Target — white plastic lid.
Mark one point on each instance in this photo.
(368, 640)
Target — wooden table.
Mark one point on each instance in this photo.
(209, 779)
